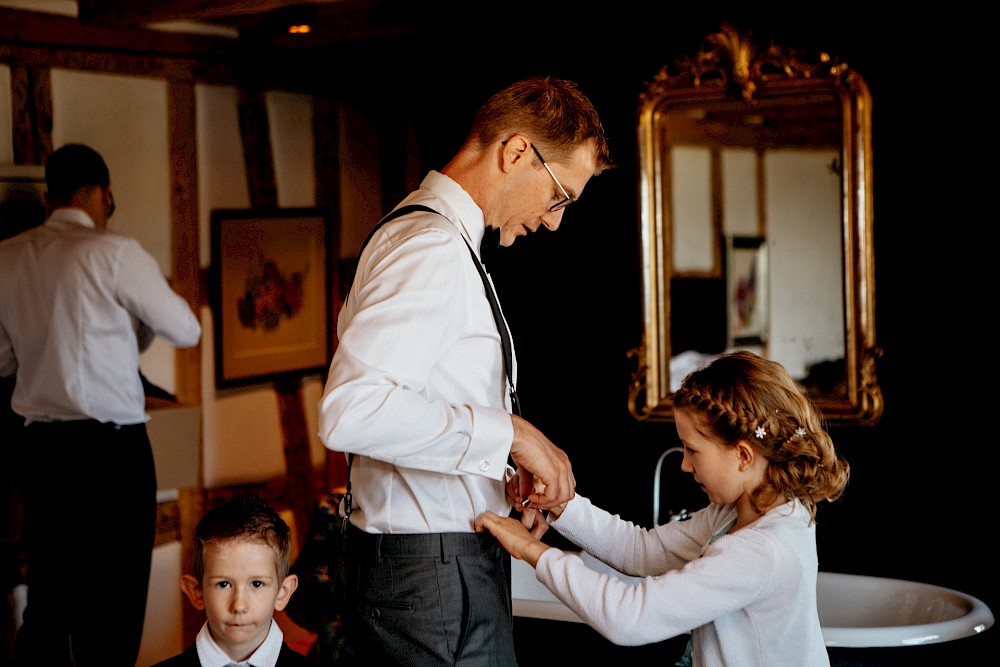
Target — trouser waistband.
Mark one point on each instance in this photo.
(418, 545)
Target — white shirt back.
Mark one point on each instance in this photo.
(71, 297)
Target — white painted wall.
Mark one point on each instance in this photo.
(693, 233)
(805, 258)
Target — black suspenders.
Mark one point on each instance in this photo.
(508, 355)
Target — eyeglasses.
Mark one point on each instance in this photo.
(567, 199)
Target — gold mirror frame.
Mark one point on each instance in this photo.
(728, 71)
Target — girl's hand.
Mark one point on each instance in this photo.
(534, 521)
(519, 486)
(512, 536)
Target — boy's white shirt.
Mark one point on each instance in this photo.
(266, 654)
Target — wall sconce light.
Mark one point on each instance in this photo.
(298, 19)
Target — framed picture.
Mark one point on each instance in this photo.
(22, 198)
(746, 290)
(271, 296)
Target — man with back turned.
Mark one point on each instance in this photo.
(73, 297)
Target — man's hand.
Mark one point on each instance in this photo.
(531, 518)
(545, 476)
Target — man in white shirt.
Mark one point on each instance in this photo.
(420, 393)
(72, 298)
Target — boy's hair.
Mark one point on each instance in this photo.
(553, 112)
(244, 518)
(742, 396)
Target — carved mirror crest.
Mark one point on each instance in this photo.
(756, 224)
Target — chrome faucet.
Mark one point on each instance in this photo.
(674, 516)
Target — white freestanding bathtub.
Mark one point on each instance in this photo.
(861, 611)
(854, 610)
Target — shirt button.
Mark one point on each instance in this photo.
(484, 466)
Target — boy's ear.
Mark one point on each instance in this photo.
(192, 588)
(288, 587)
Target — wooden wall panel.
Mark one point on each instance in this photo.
(31, 92)
(184, 228)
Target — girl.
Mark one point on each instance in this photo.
(740, 575)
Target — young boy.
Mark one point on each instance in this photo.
(240, 579)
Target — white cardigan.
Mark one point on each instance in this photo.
(748, 598)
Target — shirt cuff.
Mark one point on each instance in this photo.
(492, 437)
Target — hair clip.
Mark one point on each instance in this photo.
(801, 432)
(760, 432)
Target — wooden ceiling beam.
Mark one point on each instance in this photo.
(134, 13)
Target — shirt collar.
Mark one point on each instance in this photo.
(454, 203)
(69, 215)
(266, 655)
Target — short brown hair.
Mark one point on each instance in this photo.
(245, 518)
(553, 112)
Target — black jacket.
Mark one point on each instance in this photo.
(189, 658)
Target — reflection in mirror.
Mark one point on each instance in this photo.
(756, 214)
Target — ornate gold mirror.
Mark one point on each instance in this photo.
(756, 224)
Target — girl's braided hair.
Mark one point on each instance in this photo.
(742, 396)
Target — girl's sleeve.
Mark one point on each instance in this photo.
(643, 610)
(633, 549)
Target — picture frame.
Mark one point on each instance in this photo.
(22, 198)
(747, 291)
(271, 293)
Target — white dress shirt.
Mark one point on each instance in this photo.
(266, 654)
(748, 598)
(417, 385)
(72, 342)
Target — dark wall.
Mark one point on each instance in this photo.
(919, 502)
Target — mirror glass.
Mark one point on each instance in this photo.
(756, 224)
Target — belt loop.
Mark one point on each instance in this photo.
(378, 549)
(444, 550)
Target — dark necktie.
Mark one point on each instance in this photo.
(489, 246)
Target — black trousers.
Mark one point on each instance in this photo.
(89, 525)
(420, 600)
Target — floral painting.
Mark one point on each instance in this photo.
(270, 296)
(272, 291)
